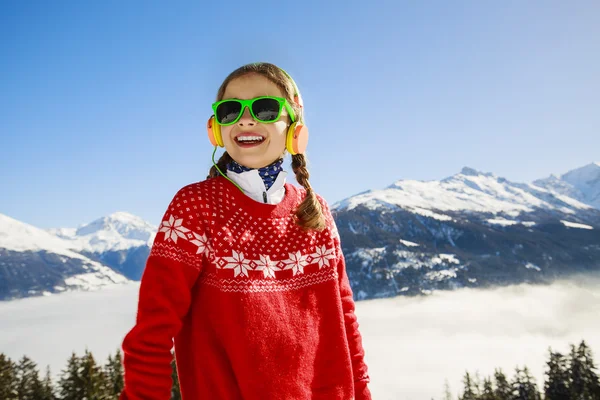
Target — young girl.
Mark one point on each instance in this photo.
(246, 272)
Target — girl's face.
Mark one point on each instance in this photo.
(272, 146)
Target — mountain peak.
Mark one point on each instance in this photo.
(124, 217)
(582, 184)
(21, 236)
(124, 224)
(468, 171)
(584, 176)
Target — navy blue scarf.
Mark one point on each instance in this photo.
(268, 173)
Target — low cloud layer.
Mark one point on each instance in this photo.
(412, 345)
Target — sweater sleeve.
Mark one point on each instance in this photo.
(171, 270)
(359, 367)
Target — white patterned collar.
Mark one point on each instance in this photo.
(254, 187)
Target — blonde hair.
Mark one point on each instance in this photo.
(309, 214)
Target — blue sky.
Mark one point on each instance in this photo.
(103, 105)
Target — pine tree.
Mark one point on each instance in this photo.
(556, 386)
(503, 389)
(524, 386)
(488, 390)
(8, 378)
(447, 392)
(71, 386)
(175, 391)
(114, 375)
(469, 389)
(28, 378)
(530, 389)
(93, 378)
(584, 380)
(477, 384)
(47, 392)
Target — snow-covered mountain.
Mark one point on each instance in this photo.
(468, 191)
(36, 262)
(118, 231)
(120, 240)
(470, 229)
(582, 184)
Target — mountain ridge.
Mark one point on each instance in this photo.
(472, 228)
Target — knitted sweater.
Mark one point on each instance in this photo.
(258, 308)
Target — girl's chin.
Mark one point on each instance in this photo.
(253, 162)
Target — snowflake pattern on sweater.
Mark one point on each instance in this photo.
(236, 239)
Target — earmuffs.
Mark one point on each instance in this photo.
(296, 137)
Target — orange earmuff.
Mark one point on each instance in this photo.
(297, 138)
(214, 132)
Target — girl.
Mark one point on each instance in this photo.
(246, 272)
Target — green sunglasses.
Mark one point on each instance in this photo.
(265, 109)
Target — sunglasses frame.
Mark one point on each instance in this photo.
(248, 104)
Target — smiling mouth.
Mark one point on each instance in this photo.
(249, 140)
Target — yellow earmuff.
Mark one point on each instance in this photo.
(297, 134)
(297, 138)
(214, 132)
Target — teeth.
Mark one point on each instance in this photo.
(249, 138)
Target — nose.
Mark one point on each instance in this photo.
(246, 118)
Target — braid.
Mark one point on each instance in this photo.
(222, 164)
(309, 213)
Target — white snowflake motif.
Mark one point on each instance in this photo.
(210, 251)
(296, 263)
(323, 255)
(173, 229)
(201, 242)
(267, 266)
(237, 263)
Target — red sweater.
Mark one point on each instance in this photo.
(258, 308)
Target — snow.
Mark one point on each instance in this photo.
(508, 222)
(502, 221)
(368, 256)
(469, 190)
(532, 266)
(451, 258)
(581, 184)
(19, 236)
(95, 280)
(441, 275)
(118, 231)
(408, 259)
(431, 214)
(408, 244)
(576, 225)
(583, 178)
(412, 345)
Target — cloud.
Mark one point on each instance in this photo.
(412, 345)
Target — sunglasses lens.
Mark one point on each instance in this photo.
(266, 109)
(228, 111)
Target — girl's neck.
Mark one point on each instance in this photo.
(268, 173)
